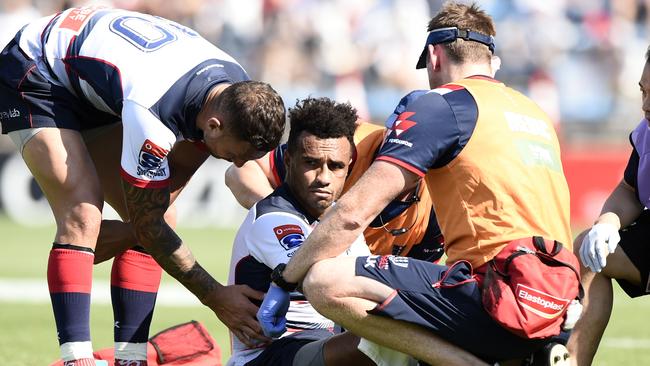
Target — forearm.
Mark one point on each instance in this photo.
(332, 237)
(621, 208)
(146, 210)
(350, 216)
(181, 264)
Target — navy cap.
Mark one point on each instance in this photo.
(450, 34)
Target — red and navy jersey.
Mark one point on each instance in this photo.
(152, 73)
(418, 142)
(491, 160)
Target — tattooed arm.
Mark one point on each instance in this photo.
(146, 207)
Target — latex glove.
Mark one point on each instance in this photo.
(601, 240)
(273, 311)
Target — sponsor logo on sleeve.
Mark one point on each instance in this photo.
(401, 125)
(540, 303)
(77, 17)
(150, 160)
(290, 236)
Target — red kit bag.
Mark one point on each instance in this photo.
(187, 344)
(529, 285)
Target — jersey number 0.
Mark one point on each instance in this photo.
(146, 34)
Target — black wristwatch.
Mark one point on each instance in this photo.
(276, 277)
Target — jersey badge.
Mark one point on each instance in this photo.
(289, 236)
(151, 159)
(403, 123)
(78, 17)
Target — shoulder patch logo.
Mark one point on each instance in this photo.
(78, 17)
(150, 160)
(403, 123)
(290, 236)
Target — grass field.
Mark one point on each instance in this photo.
(28, 336)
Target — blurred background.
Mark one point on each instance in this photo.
(581, 60)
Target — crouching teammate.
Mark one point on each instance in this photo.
(123, 107)
(491, 160)
(319, 153)
(616, 248)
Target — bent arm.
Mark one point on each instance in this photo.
(348, 218)
(252, 182)
(146, 207)
(622, 207)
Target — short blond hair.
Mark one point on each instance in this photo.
(464, 17)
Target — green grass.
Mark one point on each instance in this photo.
(27, 332)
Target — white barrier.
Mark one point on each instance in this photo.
(205, 201)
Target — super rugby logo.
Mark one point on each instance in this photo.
(151, 159)
(540, 303)
(402, 124)
(289, 236)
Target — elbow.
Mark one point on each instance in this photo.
(352, 224)
(230, 177)
(350, 217)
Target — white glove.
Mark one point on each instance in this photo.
(601, 240)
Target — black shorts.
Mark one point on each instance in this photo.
(446, 300)
(282, 351)
(634, 242)
(29, 100)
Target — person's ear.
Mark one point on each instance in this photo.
(435, 56)
(286, 159)
(214, 126)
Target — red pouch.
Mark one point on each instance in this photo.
(186, 344)
(529, 285)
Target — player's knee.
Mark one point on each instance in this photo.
(319, 283)
(83, 220)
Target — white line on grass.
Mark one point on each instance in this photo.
(626, 343)
(16, 290)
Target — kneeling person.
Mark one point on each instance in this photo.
(320, 149)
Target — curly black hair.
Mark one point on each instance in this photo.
(323, 118)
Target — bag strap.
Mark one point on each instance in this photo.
(557, 262)
(543, 255)
(540, 245)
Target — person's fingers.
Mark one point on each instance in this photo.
(590, 254)
(252, 336)
(614, 238)
(252, 294)
(279, 327)
(601, 254)
(245, 339)
(252, 323)
(584, 253)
